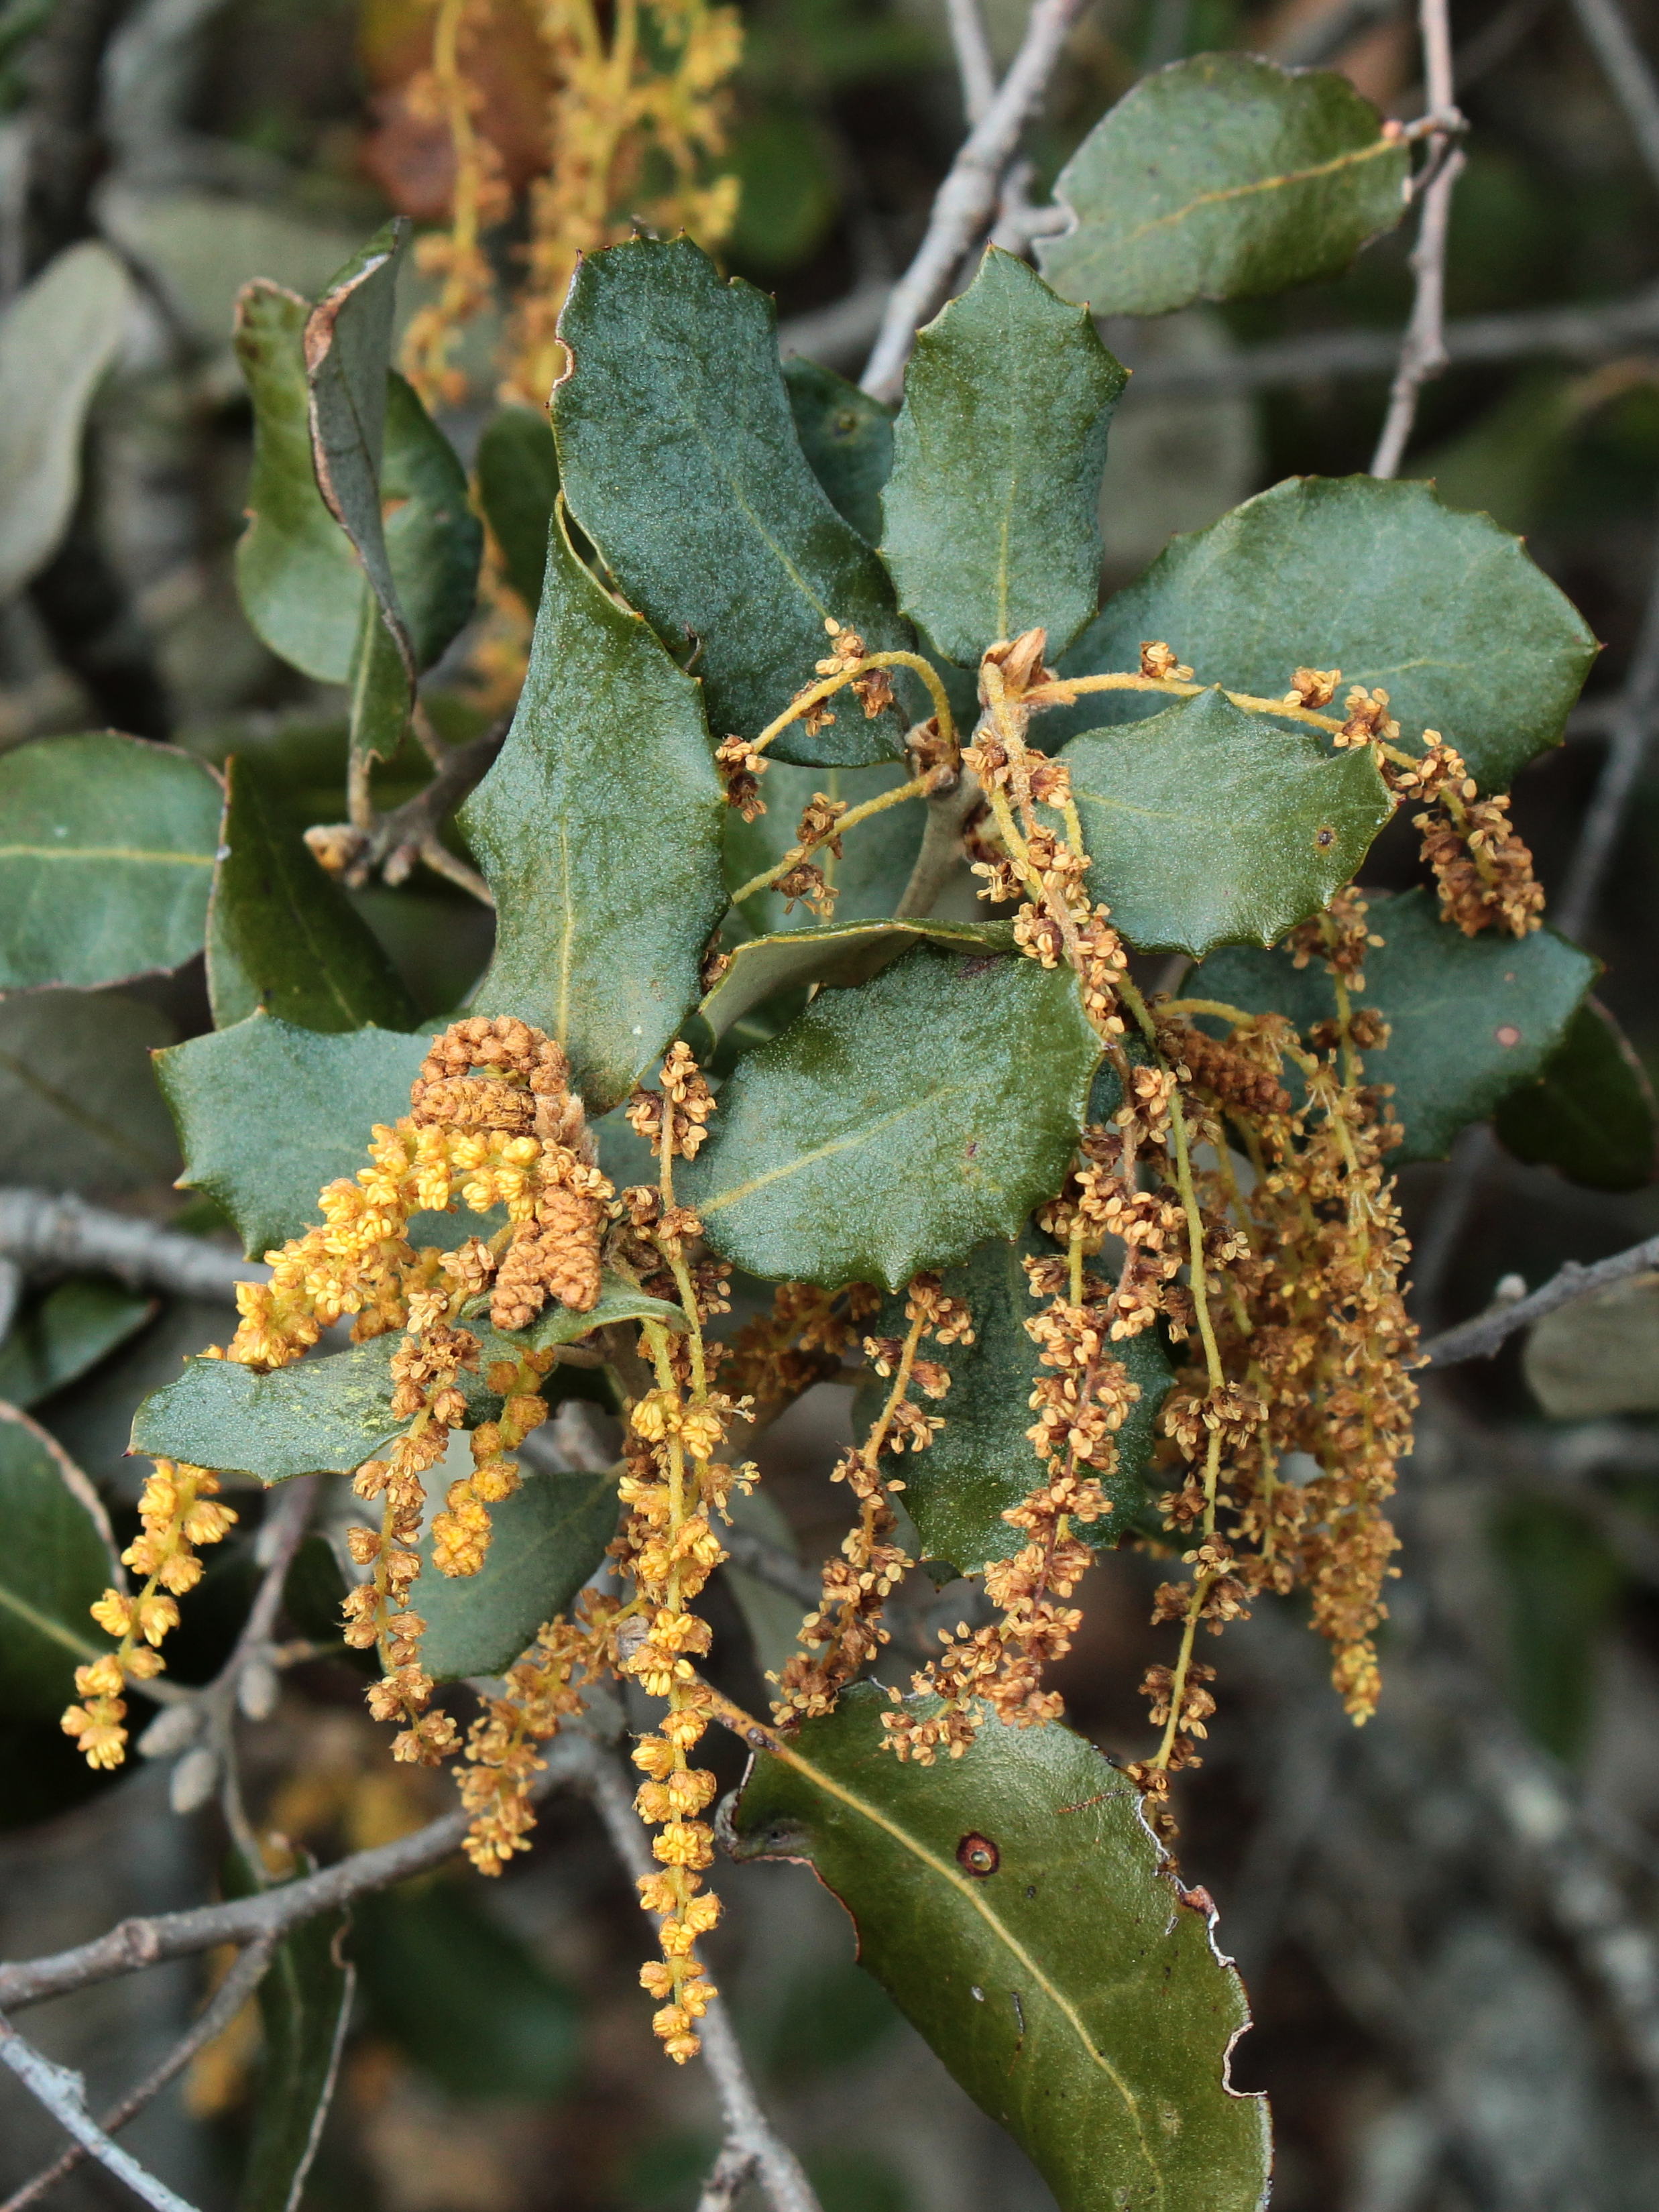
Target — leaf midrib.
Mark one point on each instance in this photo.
(804, 1160)
(140, 853)
(1280, 183)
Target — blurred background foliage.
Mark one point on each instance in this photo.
(1446, 1922)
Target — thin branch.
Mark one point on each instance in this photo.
(966, 201)
(974, 67)
(279, 1538)
(1423, 353)
(1630, 79)
(746, 2125)
(42, 1229)
(64, 2096)
(1480, 1338)
(941, 847)
(391, 844)
(238, 1984)
(729, 2177)
(1630, 729)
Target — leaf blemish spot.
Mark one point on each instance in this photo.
(978, 1854)
(1507, 1035)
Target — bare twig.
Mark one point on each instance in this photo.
(747, 2127)
(1631, 730)
(238, 1985)
(41, 1230)
(279, 1539)
(1480, 1338)
(729, 2176)
(64, 2096)
(941, 847)
(1629, 77)
(974, 67)
(966, 201)
(1423, 353)
(391, 844)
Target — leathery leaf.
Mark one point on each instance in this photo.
(1207, 825)
(981, 1462)
(896, 1125)
(547, 1538)
(990, 518)
(843, 952)
(1445, 612)
(1471, 1017)
(1016, 1907)
(58, 1559)
(678, 456)
(107, 847)
(1590, 1113)
(305, 2009)
(598, 828)
(1222, 178)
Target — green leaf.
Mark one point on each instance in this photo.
(1591, 1111)
(549, 1537)
(679, 459)
(463, 1998)
(1445, 612)
(57, 339)
(1599, 1355)
(305, 2007)
(79, 1109)
(990, 519)
(1074, 1990)
(981, 1462)
(301, 586)
(328, 1413)
(847, 439)
(895, 1126)
(517, 483)
(874, 867)
(57, 1560)
(325, 1415)
(281, 934)
(1471, 1017)
(1207, 825)
(598, 829)
(1222, 178)
(1560, 1583)
(63, 1333)
(267, 1113)
(842, 953)
(434, 540)
(107, 847)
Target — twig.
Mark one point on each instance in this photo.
(746, 2124)
(1423, 353)
(966, 201)
(64, 2096)
(974, 67)
(941, 847)
(238, 1985)
(279, 1539)
(391, 844)
(1625, 68)
(731, 2174)
(1630, 729)
(42, 1229)
(1480, 1338)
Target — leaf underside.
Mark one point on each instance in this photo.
(1590, 1112)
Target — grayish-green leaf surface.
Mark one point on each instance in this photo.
(66, 1332)
(79, 1107)
(679, 459)
(281, 934)
(518, 482)
(981, 1462)
(847, 439)
(1206, 825)
(57, 339)
(434, 540)
(843, 952)
(895, 1126)
(1590, 1113)
(325, 1415)
(598, 828)
(990, 519)
(1072, 1988)
(876, 860)
(1446, 612)
(107, 847)
(56, 1561)
(267, 1113)
(1599, 1355)
(549, 1537)
(1222, 178)
(1471, 1017)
